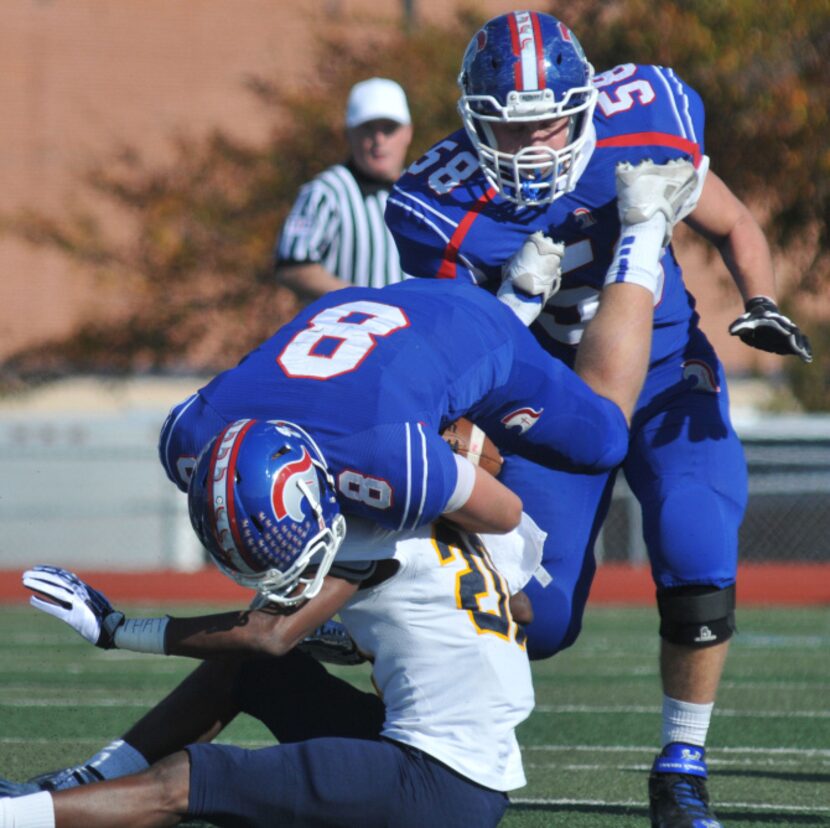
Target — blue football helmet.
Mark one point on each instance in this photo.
(519, 67)
(262, 502)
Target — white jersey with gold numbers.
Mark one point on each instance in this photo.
(449, 660)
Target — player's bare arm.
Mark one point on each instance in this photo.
(308, 281)
(491, 507)
(273, 630)
(614, 354)
(267, 631)
(723, 219)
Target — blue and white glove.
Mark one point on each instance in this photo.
(64, 595)
(763, 326)
(531, 276)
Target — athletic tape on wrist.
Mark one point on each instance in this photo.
(142, 635)
(637, 255)
(464, 486)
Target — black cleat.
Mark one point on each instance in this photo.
(331, 643)
(677, 789)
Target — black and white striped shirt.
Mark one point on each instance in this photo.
(337, 221)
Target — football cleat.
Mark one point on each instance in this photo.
(677, 789)
(331, 643)
(65, 778)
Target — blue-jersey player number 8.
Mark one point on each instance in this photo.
(338, 339)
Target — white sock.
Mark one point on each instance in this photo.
(118, 759)
(685, 722)
(31, 811)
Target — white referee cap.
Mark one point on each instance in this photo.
(376, 98)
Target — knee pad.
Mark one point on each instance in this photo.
(696, 616)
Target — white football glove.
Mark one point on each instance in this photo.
(66, 596)
(649, 188)
(531, 276)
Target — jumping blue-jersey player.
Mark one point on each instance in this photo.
(373, 375)
(535, 164)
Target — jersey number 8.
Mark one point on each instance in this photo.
(338, 339)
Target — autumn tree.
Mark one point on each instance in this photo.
(196, 272)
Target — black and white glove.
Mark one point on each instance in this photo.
(763, 326)
(64, 595)
(531, 276)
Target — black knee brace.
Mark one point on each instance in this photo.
(697, 616)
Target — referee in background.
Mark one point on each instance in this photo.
(335, 234)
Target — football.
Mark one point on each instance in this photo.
(471, 442)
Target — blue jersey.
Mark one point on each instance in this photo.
(684, 461)
(449, 222)
(375, 374)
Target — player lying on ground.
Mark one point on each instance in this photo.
(430, 610)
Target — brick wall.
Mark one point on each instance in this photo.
(79, 77)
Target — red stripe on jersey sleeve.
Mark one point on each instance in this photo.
(660, 139)
(449, 261)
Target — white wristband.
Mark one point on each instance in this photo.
(464, 485)
(142, 635)
(32, 811)
(637, 255)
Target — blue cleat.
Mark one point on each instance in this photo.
(61, 780)
(677, 789)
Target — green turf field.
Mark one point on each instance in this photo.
(587, 747)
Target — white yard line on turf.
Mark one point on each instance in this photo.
(820, 752)
(592, 710)
(633, 803)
